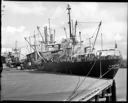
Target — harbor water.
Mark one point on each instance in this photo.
(35, 87)
(121, 84)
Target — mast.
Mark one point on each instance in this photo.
(45, 34)
(49, 27)
(30, 43)
(72, 27)
(54, 35)
(115, 44)
(75, 27)
(46, 37)
(80, 38)
(16, 45)
(68, 8)
(16, 51)
(35, 46)
(38, 28)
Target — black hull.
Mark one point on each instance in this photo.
(106, 68)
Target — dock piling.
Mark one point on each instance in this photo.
(97, 98)
(114, 91)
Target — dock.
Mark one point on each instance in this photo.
(30, 86)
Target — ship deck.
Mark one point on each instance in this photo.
(31, 86)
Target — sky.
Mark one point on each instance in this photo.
(20, 19)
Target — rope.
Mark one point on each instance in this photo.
(74, 91)
(97, 80)
(92, 83)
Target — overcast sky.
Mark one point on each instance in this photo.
(20, 19)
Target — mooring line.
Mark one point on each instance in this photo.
(91, 84)
(74, 91)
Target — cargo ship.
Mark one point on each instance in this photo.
(12, 58)
(70, 57)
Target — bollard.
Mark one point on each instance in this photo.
(113, 91)
(97, 98)
(108, 98)
(103, 94)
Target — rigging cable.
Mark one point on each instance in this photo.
(74, 91)
(90, 84)
(96, 81)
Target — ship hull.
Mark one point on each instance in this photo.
(99, 68)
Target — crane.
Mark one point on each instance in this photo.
(38, 28)
(29, 43)
(97, 34)
(36, 50)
